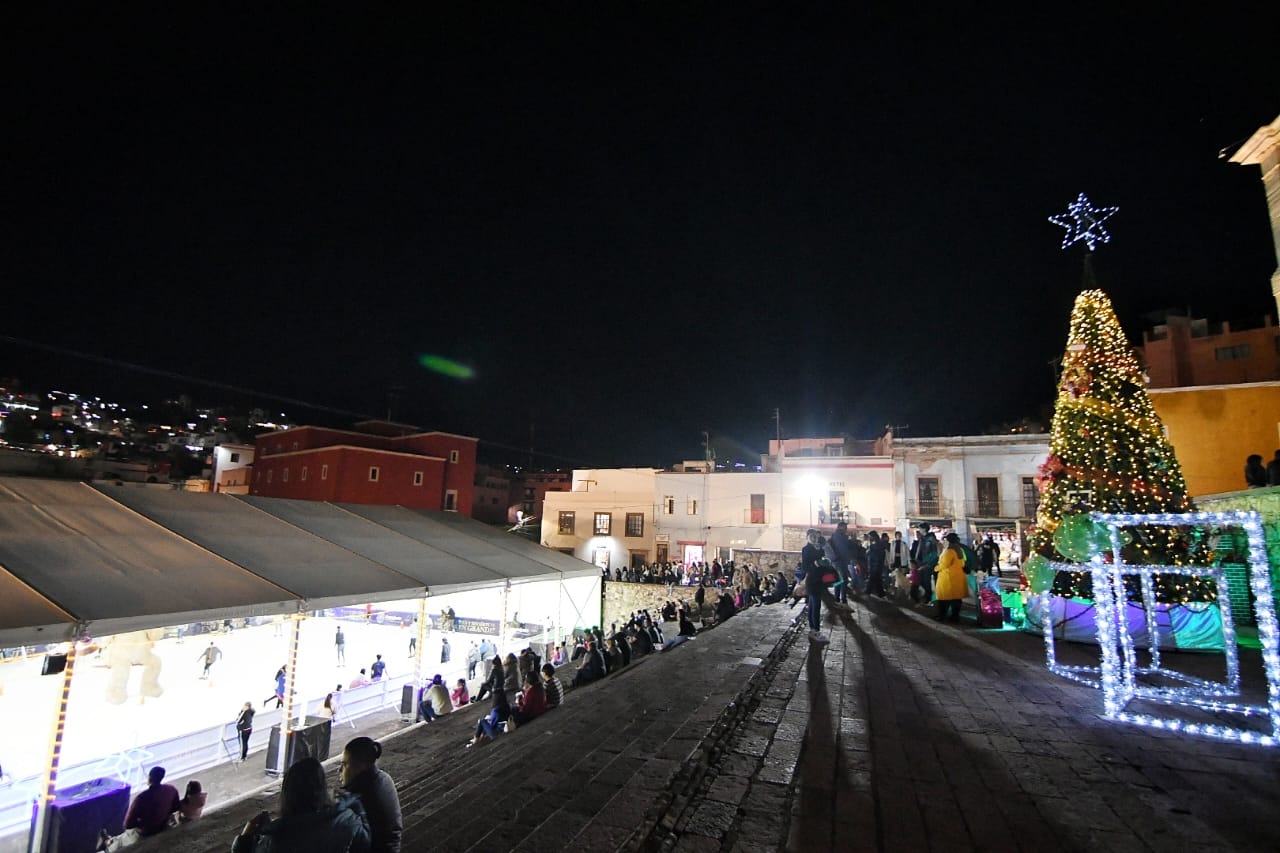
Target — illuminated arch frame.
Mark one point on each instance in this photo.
(1118, 671)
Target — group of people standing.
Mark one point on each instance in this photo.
(926, 571)
(1259, 476)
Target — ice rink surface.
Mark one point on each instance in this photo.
(97, 730)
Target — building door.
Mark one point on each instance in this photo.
(601, 558)
(693, 554)
(988, 497)
(929, 496)
(637, 559)
(663, 553)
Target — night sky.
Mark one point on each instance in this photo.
(635, 223)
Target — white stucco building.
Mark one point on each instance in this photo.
(624, 517)
(969, 483)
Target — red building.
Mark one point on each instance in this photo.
(1183, 352)
(376, 462)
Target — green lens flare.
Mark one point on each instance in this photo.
(445, 366)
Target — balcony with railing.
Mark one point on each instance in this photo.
(1010, 508)
(927, 508)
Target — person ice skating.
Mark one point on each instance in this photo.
(210, 656)
(279, 694)
(378, 667)
(340, 646)
(413, 644)
(244, 727)
(444, 650)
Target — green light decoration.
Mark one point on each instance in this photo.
(446, 367)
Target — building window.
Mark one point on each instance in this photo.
(373, 473)
(692, 506)
(453, 456)
(635, 524)
(1030, 497)
(757, 509)
(1232, 353)
(929, 496)
(668, 504)
(662, 552)
(417, 478)
(284, 475)
(235, 457)
(604, 523)
(567, 520)
(304, 474)
(988, 497)
(324, 472)
(451, 500)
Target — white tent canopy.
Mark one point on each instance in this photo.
(81, 559)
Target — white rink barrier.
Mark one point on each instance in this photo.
(187, 754)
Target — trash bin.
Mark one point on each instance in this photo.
(408, 706)
(311, 740)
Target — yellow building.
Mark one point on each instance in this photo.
(1214, 428)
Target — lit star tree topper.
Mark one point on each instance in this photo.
(1083, 221)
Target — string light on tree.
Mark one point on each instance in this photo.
(1108, 453)
(1083, 221)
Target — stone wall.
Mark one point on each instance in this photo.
(763, 561)
(621, 598)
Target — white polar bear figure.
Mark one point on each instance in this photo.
(124, 652)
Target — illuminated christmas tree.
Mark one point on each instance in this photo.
(1108, 453)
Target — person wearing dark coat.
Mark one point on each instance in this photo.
(592, 667)
(309, 820)
(1255, 473)
(495, 681)
(377, 792)
(725, 607)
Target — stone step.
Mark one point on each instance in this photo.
(583, 776)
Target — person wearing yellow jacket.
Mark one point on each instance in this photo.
(950, 586)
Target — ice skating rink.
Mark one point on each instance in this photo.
(99, 731)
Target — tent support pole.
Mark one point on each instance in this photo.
(502, 628)
(422, 639)
(290, 682)
(41, 820)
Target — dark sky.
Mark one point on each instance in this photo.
(634, 222)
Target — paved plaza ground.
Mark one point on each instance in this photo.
(901, 734)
